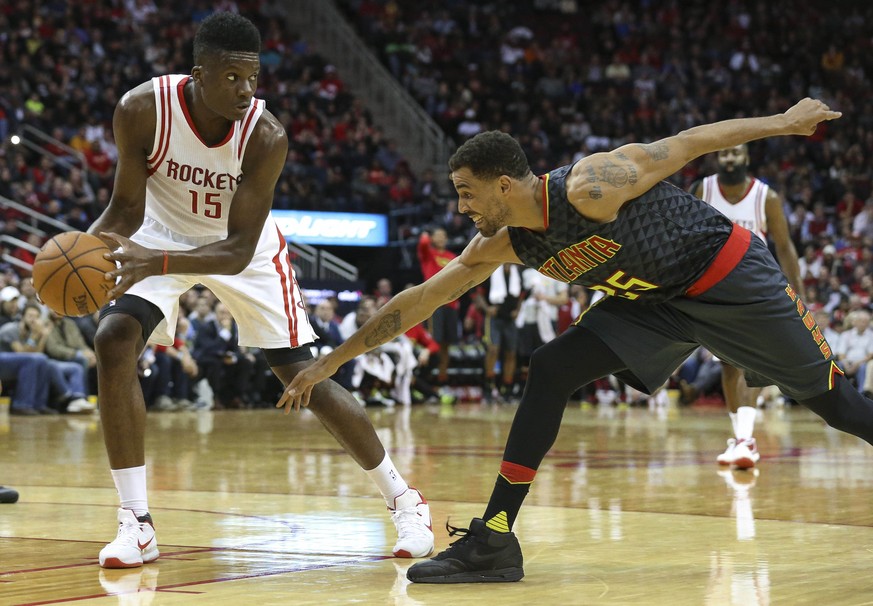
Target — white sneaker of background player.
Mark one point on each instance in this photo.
(727, 457)
(134, 545)
(745, 454)
(411, 516)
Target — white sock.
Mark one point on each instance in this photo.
(733, 417)
(746, 422)
(131, 486)
(391, 484)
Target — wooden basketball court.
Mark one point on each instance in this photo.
(252, 507)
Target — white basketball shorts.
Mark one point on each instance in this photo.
(264, 299)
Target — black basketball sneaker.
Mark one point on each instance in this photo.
(481, 555)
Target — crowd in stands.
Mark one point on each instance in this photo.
(64, 65)
(573, 78)
(48, 361)
(636, 71)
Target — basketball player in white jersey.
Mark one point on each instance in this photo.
(198, 162)
(753, 205)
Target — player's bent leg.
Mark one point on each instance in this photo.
(342, 416)
(844, 408)
(557, 369)
(489, 552)
(349, 424)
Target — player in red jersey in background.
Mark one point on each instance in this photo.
(444, 323)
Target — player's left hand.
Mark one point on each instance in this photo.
(299, 390)
(137, 262)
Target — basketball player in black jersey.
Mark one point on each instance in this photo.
(678, 274)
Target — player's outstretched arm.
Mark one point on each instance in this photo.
(410, 307)
(601, 183)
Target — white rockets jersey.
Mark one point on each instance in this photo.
(191, 184)
(749, 212)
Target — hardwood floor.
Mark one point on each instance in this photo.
(252, 507)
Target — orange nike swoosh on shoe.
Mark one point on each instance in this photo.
(149, 542)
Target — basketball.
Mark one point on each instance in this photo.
(68, 273)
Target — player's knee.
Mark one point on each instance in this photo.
(545, 365)
(116, 338)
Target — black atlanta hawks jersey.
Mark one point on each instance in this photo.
(657, 246)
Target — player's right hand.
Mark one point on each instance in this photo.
(137, 262)
(299, 390)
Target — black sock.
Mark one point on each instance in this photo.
(512, 486)
(505, 502)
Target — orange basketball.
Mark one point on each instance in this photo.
(68, 273)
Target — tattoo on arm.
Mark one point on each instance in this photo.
(629, 167)
(461, 290)
(384, 331)
(592, 176)
(614, 174)
(656, 151)
(595, 193)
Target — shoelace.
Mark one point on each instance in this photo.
(463, 533)
(409, 522)
(129, 533)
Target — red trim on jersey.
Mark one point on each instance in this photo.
(157, 150)
(167, 118)
(245, 129)
(832, 375)
(545, 180)
(184, 104)
(295, 335)
(727, 258)
(287, 289)
(517, 474)
(761, 209)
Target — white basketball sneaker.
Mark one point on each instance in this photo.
(727, 457)
(411, 516)
(746, 454)
(135, 544)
